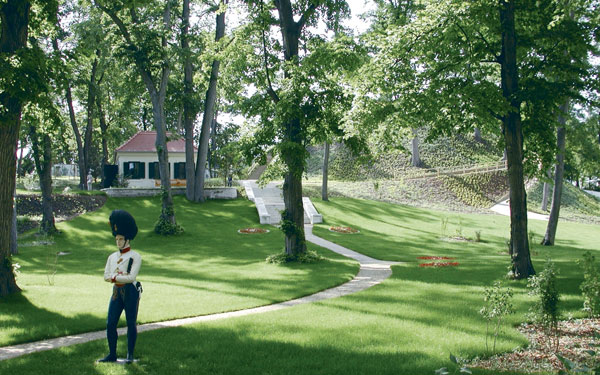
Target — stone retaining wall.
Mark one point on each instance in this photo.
(209, 193)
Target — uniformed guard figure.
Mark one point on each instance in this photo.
(122, 268)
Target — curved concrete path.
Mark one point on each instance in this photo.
(372, 272)
(503, 208)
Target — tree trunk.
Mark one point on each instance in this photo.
(546, 191)
(167, 213)
(207, 118)
(91, 104)
(513, 136)
(103, 129)
(14, 247)
(325, 172)
(189, 113)
(477, 135)
(559, 170)
(157, 97)
(14, 17)
(415, 159)
(47, 225)
(293, 154)
(80, 151)
(43, 165)
(292, 218)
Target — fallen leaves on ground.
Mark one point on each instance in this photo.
(577, 340)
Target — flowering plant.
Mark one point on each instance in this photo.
(439, 264)
(252, 230)
(343, 230)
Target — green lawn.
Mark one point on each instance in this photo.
(409, 324)
(209, 269)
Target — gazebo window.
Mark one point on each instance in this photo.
(154, 170)
(134, 170)
(180, 170)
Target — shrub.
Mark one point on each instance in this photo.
(590, 287)
(497, 305)
(307, 257)
(444, 226)
(545, 308)
(165, 228)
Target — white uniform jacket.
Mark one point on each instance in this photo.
(116, 267)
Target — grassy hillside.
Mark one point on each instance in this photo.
(389, 177)
(442, 152)
(576, 205)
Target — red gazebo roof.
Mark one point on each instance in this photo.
(144, 141)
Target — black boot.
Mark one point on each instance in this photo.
(129, 358)
(108, 358)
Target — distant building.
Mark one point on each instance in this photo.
(138, 162)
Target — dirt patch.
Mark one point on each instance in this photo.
(64, 206)
(577, 339)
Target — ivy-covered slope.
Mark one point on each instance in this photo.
(389, 177)
(576, 205)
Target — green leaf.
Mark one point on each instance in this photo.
(465, 370)
(441, 371)
(453, 359)
(590, 352)
(565, 361)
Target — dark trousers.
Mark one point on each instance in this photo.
(125, 298)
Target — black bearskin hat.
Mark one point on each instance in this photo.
(121, 222)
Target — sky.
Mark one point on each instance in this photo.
(358, 7)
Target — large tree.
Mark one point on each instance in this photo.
(43, 123)
(459, 65)
(22, 73)
(559, 172)
(146, 32)
(83, 141)
(290, 79)
(210, 101)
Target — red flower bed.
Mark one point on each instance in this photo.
(439, 264)
(252, 230)
(435, 258)
(343, 230)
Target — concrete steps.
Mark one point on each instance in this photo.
(269, 204)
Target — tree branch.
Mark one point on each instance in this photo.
(306, 15)
(489, 47)
(145, 73)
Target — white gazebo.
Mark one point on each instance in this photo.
(138, 161)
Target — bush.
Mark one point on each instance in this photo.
(497, 306)
(590, 287)
(307, 257)
(545, 309)
(165, 228)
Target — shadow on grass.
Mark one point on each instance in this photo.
(210, 262)
(235, 350)
(22, 321)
